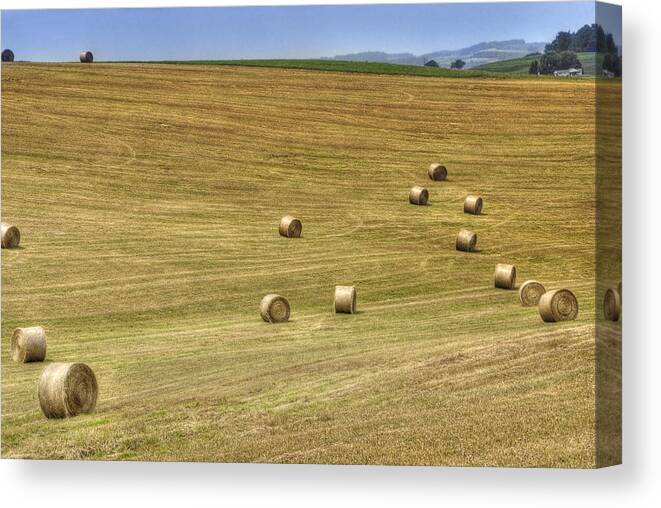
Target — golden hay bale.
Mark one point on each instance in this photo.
(11, 236)
(28, 344)
(290, 227)
(612, 304)
(345, 299)
(86, 57)
(530, 292)
(418, 196)
(466, 241)
(505, 276)
(558, 305)
(473, 204)
(67, 389)
(7, 55)
(437, 172)
(274, 309)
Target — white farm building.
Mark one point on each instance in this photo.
(568, 72)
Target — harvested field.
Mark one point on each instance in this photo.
(150, 238)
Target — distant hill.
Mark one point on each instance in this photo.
(521, 65)
(475, 55)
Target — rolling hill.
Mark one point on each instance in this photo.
(521, 65)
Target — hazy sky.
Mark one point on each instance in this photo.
(282, 32)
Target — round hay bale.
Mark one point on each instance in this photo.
(290, 227)
(28, 344)
(67, 389)
(274, 309)
(11, 236)
(473, 204)
(558, 305)
(86, 57)
(345, 299)
(466, 241)
(612, 305)
(437, 172)
(505, 276)
(530, 292)
(7, 55)
(418, 196)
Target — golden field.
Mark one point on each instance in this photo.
(149, 196)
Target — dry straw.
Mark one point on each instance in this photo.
(558, 305)
(418, 196)
(505, 276)
(473, 204)
(612, 304)
(67, 389)
(437, 172)
(345, 299)
(86, 57)
(7, 55)
(290, 227)
(11, 236)
(530, 292)
(28, 344)
(274, 309)
(466, 241)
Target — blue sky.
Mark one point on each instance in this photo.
(281, 32)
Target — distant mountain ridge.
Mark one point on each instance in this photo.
(477, 54)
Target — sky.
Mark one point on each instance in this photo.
(283, 32)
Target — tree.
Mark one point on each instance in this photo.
(585, 39)
(457, 64)
(534, 67)
(555, 61)
(588, 38)
(562, 42)
(612, 63)
(431, 63)
(568, 59)
(601, 40)
(548, 63)
(611, 48)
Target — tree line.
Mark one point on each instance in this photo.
(561, 52)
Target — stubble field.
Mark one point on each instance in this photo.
(148, 198)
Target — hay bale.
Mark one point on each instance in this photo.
(619, 289)
(86, 57)
(7, 55)
(612, 305)
(505, 276)
(345, 299)
(466, 241)
(530, 292)
(473, 204)
(67, 389)
(437, 172)
(418, 196)
(28, 344)
(274, 309)
(558, 305)
(290, 227)
(11, 236)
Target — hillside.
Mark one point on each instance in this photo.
(149, 196)
(339, 66)
(521, 65)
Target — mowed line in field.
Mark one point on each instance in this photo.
(155, 193)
